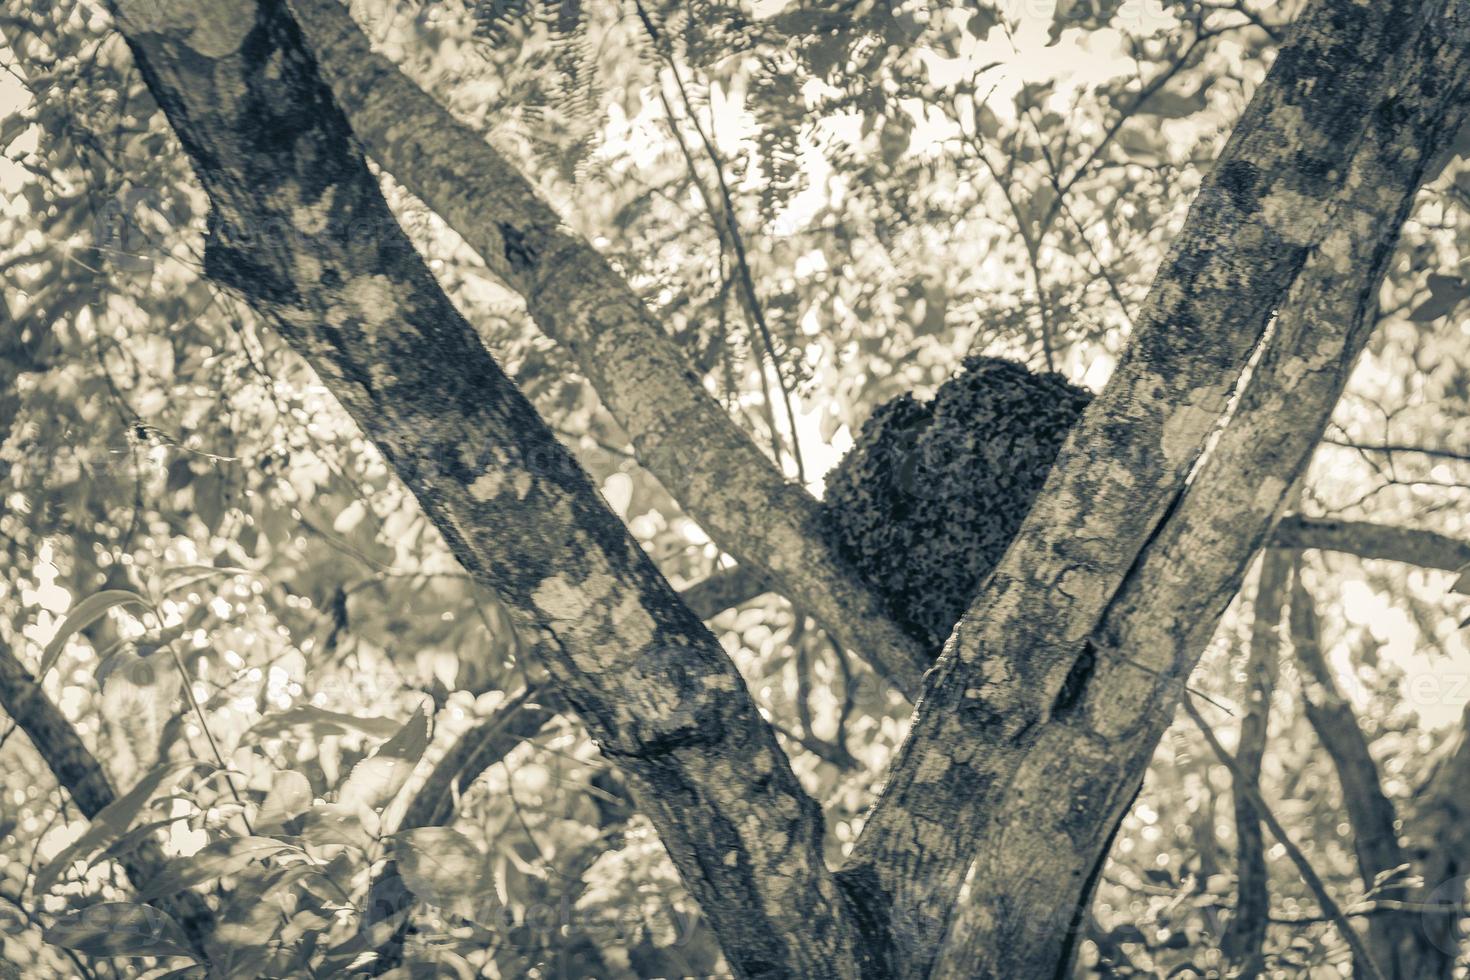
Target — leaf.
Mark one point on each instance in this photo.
(179, 475)
(322, 723)
(333, 823)
(1462, 581)
(1127, 933)
(981, 21)
(344, 954)
(112, 821)
(223, 857)
(245, 962)
(305, 922)
(10, 129)
(375, 780)
(1445, 293)
(289, 796)
(1176, 105)
(84, 614)
(209, 499)
(191, 971)
(289, 877)
(1159, 876)
(439, 865)
(438, 964)
(130, 840)
(119, 929)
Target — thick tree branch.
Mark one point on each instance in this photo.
(1441, 851)
(299, 226)
(517, 721)
(1370, 813)
(1000, 744)
(1365, 539)
(576, 298)
(1164, 616)
(1245, 941)
(73, 765)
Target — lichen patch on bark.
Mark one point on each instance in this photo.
(487, 485)
(559, 600)
(1187, 426)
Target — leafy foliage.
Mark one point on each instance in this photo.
(910, 190)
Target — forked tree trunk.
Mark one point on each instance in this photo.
(1037, 722)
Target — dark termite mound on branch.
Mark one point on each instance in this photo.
(931, 493)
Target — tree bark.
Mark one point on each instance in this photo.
(1441, 851)
(1046, 705)
(1370, 813)
(1385, 542)
(1245, 941)
(299, 227)
(682, 435)
(1157, 626)
(520, 720)
(1030, 732)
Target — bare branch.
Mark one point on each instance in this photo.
(725, 225)
(1245, 940)
(1389, 448)
(1370, 813)
(1441, 832)
(1411, 546)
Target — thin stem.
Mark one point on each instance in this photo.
(728, 226)
(204, 724)
(1303, 866)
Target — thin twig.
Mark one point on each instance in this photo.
(728, 225)
(1303, 866)
(1033, 247)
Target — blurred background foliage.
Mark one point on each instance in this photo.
(892, 187)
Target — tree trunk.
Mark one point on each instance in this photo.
(1039, 718)
(299, 227)
(1037, 722)
(681, 433)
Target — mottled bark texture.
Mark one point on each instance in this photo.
(1365, 539)
(76, 769)
(1061, 804)
(1440, 848)
(1244, 942)
(681, 434)
(299, 227)
(1041, 714)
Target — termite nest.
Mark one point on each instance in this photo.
(931, 493)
